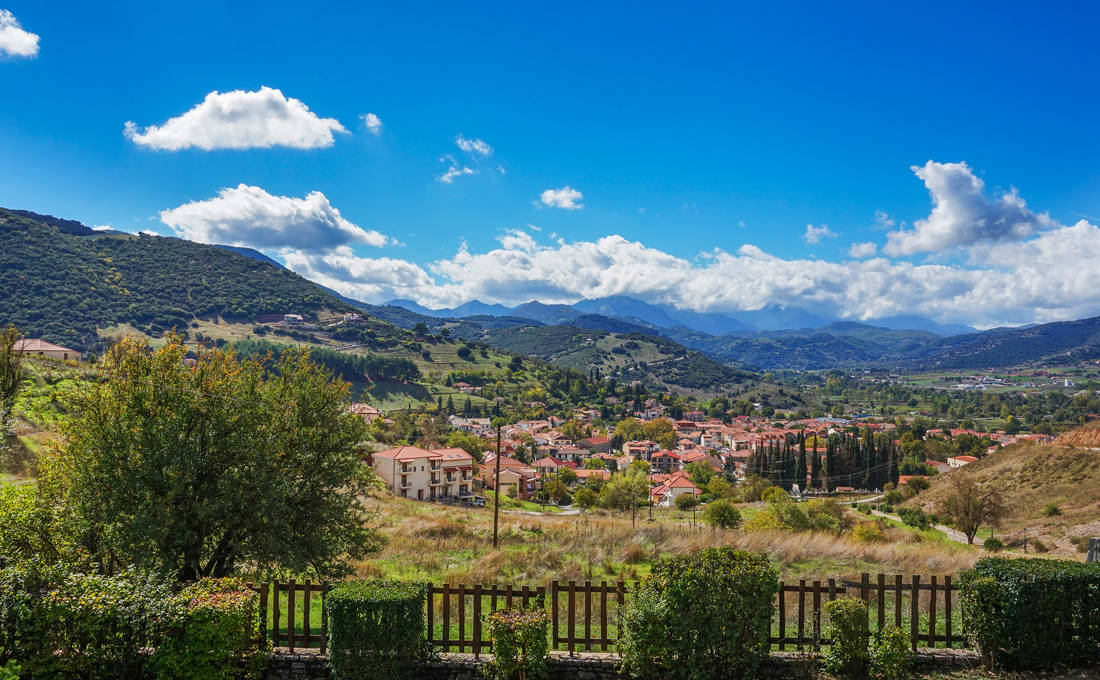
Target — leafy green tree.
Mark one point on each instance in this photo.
(625, 490)
(199, 470)
(595, 464)
(585, 498)
(723, 514)
(468, 442)
(700, 473)
(686, 501)
(11, 376)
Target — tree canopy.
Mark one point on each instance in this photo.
(203, 468)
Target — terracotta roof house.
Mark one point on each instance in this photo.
(425, 474)
(675, 486)
(45, 349)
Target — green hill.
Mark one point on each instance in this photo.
(65, 284)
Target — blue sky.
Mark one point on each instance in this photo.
(703, 139)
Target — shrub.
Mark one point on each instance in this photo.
(893, 497)
(890, 655)
(723, 514)
(701, 616)
(1038, 546)
(993, 544)
(1052, 510)
(92, 626)
(848, 637)
(775, 494)
(521, 645)
(1032, 613)
(686, 502)
(376, 629)
(213, 634)
(9, 671)
(868, 532)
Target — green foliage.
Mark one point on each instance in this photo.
(686, 501)
(848, 654)
(370, 367)
(625, 489)
(868, 532)
(9, 671)
(1032, 613)
(90, 626)
(377, 629)
(1052, 510)
(891, 658)
(722, 513)
(213, 634)
(701, 616)
(585, 498)
(521, 644)
(775, 494)
(195, 470)
(993, 544)
(64, 284)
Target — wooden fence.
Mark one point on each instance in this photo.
(585, 616)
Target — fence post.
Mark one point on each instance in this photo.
(570, 618)
(461, 617)
(897, 600)
(881, 601)
(431, 613)
(324, 617)
(307, 623)
(932, 616)
(603, 616)
(263, 610)
(817, 616)
(588, 616)
(782, 618)
(801, 612)
(446, 617)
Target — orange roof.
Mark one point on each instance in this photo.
(34, 345)
(453, 454)
(406, 453)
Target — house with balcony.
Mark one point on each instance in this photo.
(426, 474)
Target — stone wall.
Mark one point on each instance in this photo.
(310, 666)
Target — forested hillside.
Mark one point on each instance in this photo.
(63, 284)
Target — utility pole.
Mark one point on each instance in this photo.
(496, 487)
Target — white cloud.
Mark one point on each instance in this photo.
(962, 215)
(240, 120)
(14, 41)
(883, 220)
(448, 177)
(102, 227)
(249, 216)
(861, 250)
(373, 123)
(814, 234)
(477, 146)
(566, 198)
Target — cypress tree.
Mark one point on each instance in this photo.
(800, 466)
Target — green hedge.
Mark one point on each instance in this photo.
(521, 644)
(377, 629)
(213, 634)
(848, 654)
(701, 616)
(67, 625)
(1032, 613)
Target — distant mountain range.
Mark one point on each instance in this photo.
(67, 283)
(768, 318)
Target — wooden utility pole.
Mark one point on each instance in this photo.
(496, 487)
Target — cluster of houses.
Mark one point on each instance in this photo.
(440, 474)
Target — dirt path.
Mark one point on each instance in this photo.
(953, 534)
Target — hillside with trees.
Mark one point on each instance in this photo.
(64, 284)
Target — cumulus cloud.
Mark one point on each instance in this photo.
(962, 215)
(240, 120)
(14, 40)
(476, 146)
(249, 216)
(566, 198)
(814, 234)
(861, 250)
(373, 123)
(453, 170)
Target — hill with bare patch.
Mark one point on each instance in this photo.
(1051, 491)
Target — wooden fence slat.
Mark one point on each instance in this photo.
(914, 611)
(932, 614)
(324, 618)
(782, 618)
(801, 612)
(554, 613)
(446, 616)
(817, 615)
(307, 623)
(947, 610)
(588, 616)
(275, 613)
(263, 609)
(477, 620)
(897, 600)
(570, 627)
(290, 614)
(461, 617)
(603, 616)
(431, 613)
(881, 601)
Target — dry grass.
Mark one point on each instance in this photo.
(1032, 477)
(455, 545)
